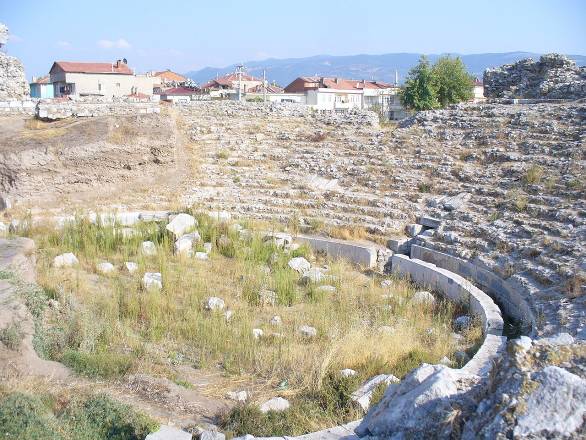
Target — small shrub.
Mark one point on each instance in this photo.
(534, 175)
(102, 364)
(285, 285)
(518, 200)
(24, 417)
(183, 383)
(12, 336)
(222, 154)
(107, 419)
(424, 187)
(315, 225)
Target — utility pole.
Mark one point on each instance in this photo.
(264, 86)
(239, 70)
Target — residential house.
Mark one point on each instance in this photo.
(98, 79)
(178, 95)
(478, 91)
(41, 88)
(271, 93)
(167, 78)
(338, 94)
(224, 86)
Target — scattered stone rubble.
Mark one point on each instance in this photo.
(554, 76)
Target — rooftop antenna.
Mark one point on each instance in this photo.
(396, 77)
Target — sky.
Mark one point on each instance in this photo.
(188, 35)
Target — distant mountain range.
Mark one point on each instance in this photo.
(379, 67)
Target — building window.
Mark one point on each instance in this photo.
(118, 85)
(99, 87)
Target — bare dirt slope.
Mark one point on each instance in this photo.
(86, 161)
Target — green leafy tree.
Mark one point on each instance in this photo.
(419, 91)
(451, 81)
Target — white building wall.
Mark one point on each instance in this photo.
(106, 84)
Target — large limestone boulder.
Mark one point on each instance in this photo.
(556, 408)
(181, 224)
(418, 405)
(214, 303)
(105, 267)
(184, 244)
(148, 248)
(166, 432)
(363, 394)
(152, 280)
(275, 404)
(299, 264)
(65, 260)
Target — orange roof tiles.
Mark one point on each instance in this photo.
(168, 75)
(82, 67)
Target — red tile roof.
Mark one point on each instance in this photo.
(171, 76)
(340, 83)
(79, 67)
(227, 80)
(270, 89)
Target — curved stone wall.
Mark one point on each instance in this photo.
(513, 303)
(457, 289)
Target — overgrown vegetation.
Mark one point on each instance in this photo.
(47, 417)
(12, 336)
(428, 87)
(310, 411)
(105, 326)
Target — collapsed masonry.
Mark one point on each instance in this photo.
(554, 76)
(13, 83)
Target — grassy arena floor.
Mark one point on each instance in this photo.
(106, 326)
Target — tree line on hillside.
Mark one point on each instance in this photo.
(428, 87)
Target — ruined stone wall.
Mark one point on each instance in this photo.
(25, 107)
(554, 76)
(61, 110)
(236, 109)
(13, 83)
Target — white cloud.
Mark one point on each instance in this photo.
(64, 44)
(120, 43)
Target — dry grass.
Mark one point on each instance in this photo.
(37, 129)
(354, 232)
(534, 175)
(107, 325)
(123, 131)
